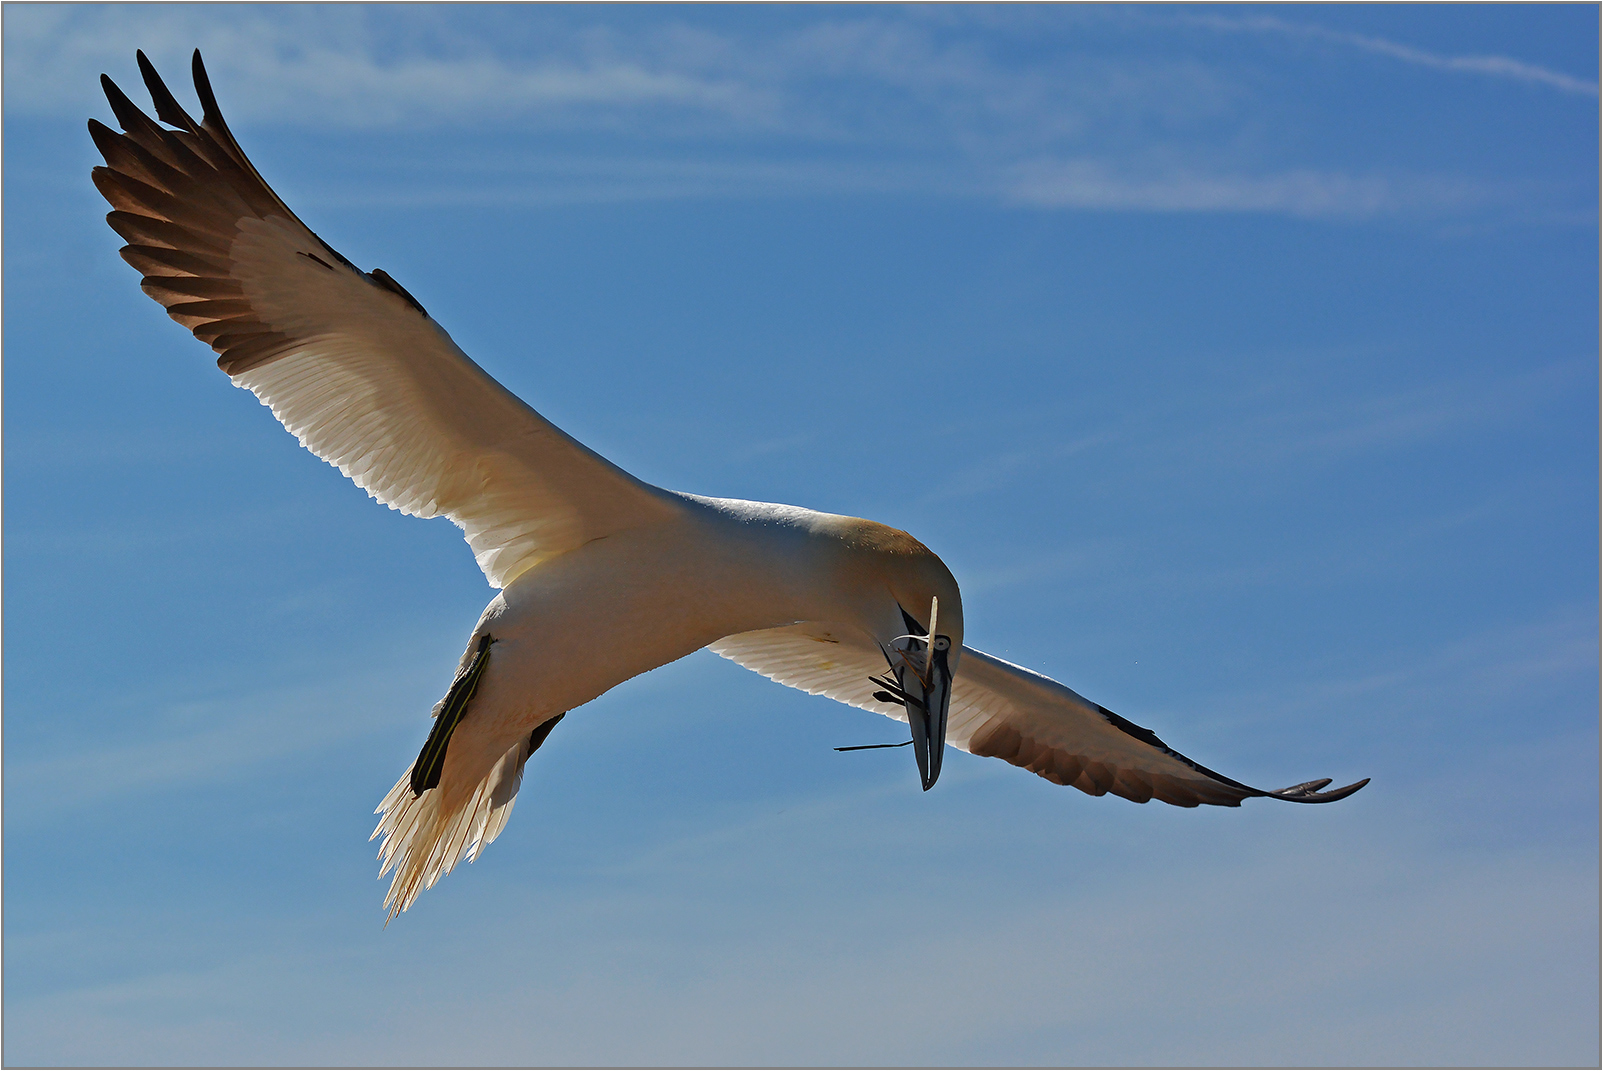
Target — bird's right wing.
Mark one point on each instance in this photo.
(1007, 712)
(1029, 720)
(347, 360)
(817, 657)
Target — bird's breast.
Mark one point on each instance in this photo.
(578, 624)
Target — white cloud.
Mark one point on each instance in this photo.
(211, 740)
(597, 179)
(1491, 66)
(1047, 184)
(1097, 184)
(1265, 418)
(876, 102)
(323, 65)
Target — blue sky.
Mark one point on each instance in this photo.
(1261, 347)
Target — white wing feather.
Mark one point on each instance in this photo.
(383, 393)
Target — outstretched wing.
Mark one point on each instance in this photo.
(1008, 712)
(349, 361)
(1032, 721)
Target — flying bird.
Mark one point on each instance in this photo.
(600, 576)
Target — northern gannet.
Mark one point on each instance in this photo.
(601, 576)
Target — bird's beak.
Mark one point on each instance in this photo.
(921, 663)
(924, 685)
(929, 721)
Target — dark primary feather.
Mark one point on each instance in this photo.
(178, 198)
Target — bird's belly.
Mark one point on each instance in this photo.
(574, 627)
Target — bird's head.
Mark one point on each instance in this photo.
(912, 607)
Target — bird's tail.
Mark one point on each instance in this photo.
(426, 835)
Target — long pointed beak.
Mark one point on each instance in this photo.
(929, 720)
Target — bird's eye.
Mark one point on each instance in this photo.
(943, 643)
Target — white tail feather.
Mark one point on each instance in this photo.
(423, 841)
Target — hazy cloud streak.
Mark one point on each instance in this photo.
(877, 103)
(1494, 66)
(1302, 192)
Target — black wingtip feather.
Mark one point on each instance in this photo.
(168, 110)
(382, 278)
(127, 113)
(1150, 738)
(1307, 792)
(104, 137)
(203, 90)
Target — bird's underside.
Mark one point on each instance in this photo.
(352, 364)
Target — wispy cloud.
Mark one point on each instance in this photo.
(1086, 184)
(860, 101)
(328, 67)
(1460, 685)
(1491, 66)
(1309, 193)
(575, 179)
(205, 741)
(1265, 419)
(1001, 469)
(1424, 413)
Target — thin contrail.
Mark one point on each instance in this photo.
(1496, 66)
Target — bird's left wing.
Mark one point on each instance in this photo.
(348, 360)
(1008, 712)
